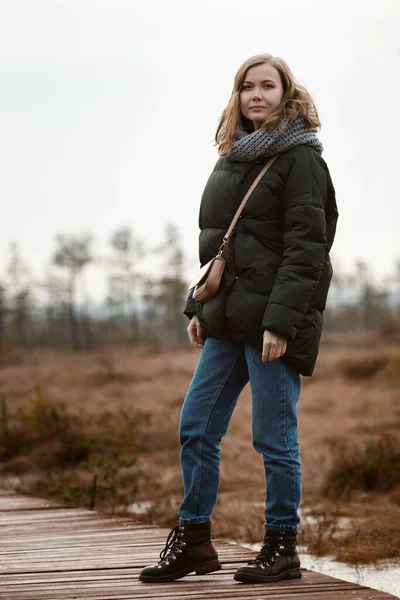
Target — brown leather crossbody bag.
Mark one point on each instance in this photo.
(206, 282)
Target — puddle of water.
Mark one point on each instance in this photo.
(385, 578)
(140, 507)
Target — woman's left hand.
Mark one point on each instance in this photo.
(274, 346)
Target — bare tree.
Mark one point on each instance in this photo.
(373, 302)
(123, 283)
(56, 328)
(393, 282)
(20, 295)
(2, 314)
(172, 285)
(151, 316)
(73, 254)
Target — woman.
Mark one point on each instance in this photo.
(264, 324)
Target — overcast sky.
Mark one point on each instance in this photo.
(108, 110)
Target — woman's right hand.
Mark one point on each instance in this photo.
(194, 332)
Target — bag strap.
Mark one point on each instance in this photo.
(242, 204)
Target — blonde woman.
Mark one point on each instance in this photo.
(264, 324)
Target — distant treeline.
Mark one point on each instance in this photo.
(143, 306)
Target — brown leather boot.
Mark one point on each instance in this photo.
(188, 548)
(277, 559)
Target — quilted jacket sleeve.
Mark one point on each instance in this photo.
(305, 245)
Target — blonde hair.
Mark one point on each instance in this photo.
(295, 100)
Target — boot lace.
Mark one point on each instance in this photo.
(268, 552)
(173, 544)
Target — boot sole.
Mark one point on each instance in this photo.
(201, 569)
(248, 578)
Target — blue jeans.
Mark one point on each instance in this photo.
(223, 369)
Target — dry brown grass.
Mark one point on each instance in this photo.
(336, 410)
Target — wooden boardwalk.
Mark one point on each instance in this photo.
(52, 552)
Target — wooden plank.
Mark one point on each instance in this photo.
(183, 593)
(309, 577)
(212, 586)
(213, 582)
(235, 591)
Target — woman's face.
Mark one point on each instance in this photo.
(262, 86)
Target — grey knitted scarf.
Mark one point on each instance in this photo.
(267, 142)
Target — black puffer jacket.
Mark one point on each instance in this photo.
(278, 268)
